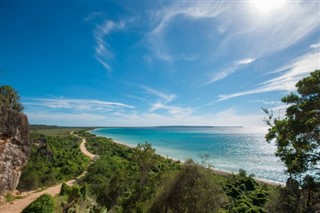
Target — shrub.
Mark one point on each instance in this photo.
(44, 204)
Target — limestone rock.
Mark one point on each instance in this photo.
(14, 147)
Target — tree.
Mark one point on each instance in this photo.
(9, 98)
(193, 189)
(297, 135)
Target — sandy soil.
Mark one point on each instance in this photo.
(18, 205)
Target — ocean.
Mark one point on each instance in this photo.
(226, 148)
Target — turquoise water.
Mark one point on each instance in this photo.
(229, 148)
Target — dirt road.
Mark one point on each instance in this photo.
(83, 147)
(18, 205)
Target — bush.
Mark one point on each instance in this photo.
(65, 189)
(44, 204)
(52, 159)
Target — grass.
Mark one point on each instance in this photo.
(10, 197)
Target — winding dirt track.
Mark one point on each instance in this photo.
(18, 205)
(83, 148)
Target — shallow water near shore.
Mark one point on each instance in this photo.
(227, 148)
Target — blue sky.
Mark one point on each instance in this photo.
(150, 63)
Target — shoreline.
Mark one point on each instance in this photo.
(215, 170)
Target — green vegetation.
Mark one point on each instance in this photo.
(53, 159)
(75, 199)
(297, 137)
(246, 194)
(124, 179)
(10, 99)
(44, 204)
(10, 197)
(138, 180)
(53, 130)
(193, 189)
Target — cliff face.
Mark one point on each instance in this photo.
(14, 147)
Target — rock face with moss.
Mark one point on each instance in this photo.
(14, 147)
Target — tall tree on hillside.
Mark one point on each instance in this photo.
(297, 136)
(9, 98)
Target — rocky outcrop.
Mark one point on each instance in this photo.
(14, 147)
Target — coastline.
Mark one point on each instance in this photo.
(215, 170)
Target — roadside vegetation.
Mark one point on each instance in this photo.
(136, 179)
(55, 157)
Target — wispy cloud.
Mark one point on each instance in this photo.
(72, 119)
(93, 16)
(75, 104)
(161, 19)
(171, 109)
(162, 103)
(265, 102)
(229, 117)
(163, 96)
(230, 70)
(299, 20)
(102, 49)
(245, 61)
(289, 76)
(315, 46)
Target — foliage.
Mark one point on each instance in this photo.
(65, 189)
(52, 159)
(44, 204)
(297, 136)
(9, 98)
(75, 199)
(194, 189)
(124, 178)
(246, 194)
(138, 180)
(51, 128)
(295, 199)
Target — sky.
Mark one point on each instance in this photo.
(153, 63)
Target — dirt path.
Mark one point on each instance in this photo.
(83, 147)
(18, 205)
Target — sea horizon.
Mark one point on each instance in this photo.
(228, 148)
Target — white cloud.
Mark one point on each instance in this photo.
(75, 104)
(221, 75)
(266, 102)
(230, 70)
(315, 46)
(171, 109)
(93, 16)
(196, 10)
(289, 76)
(81, 119)
(245, 61)
(161, 19)
(103, 52)
(164, 97)
(228, 117)
(263, 35)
